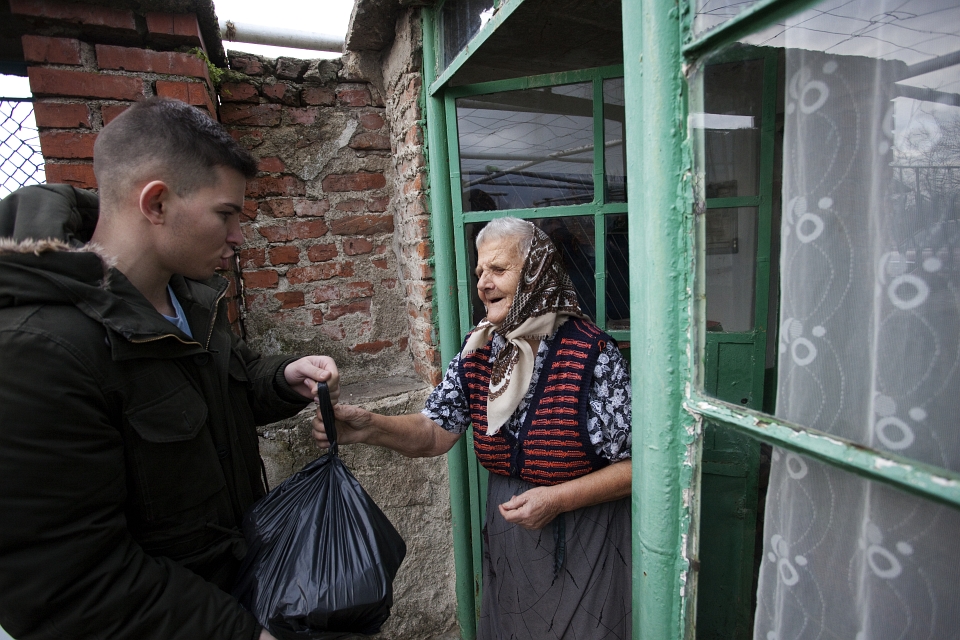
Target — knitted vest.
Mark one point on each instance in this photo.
(553, 445)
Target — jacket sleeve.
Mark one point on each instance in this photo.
(270, 397)
(68, 565)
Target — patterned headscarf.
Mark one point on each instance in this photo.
(545, 298)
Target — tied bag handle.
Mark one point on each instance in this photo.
(326, 413)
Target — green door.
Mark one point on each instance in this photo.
(737, 124)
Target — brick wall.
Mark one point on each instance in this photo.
(320, 262)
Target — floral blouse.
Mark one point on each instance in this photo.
(608, 413)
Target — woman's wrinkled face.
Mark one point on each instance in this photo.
(498, 272)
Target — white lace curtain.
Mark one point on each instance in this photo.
(869, 320)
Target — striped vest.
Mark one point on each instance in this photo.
(553, 444)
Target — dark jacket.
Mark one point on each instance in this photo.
(128, 451)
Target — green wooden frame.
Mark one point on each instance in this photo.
(666, 294)
(597, 209)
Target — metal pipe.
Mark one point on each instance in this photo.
(934, 64)
(232, 31)
(445, 285)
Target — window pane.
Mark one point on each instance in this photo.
(731, 127)
(528, 148)
(731, 268)
(614, 158)
(461, 20)
(713, 13)
(574, 240)
(618, 274)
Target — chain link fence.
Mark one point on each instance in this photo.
(21, 162)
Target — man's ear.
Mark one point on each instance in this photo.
(154, 201)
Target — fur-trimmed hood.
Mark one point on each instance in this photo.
(56, 265)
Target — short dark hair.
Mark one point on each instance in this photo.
(180, 143)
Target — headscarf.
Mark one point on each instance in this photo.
(545, 298)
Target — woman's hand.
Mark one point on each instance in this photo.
(533, 509)
(352, 423)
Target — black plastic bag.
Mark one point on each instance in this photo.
(321, 555)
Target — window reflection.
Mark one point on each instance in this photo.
(713, 13)
(461, 20)
(731, 268)
(614, 158)
(528, 148)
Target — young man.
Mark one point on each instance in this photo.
(128, 449)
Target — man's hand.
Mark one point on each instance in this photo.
(265, 635)
(352, 421)
(303, 375)
(533, 509)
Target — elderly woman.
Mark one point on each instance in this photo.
(548, 395)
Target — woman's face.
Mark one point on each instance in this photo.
(498, 272)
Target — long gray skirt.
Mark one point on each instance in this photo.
(523, 598)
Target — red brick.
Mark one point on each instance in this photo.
(278, 208)
(357, 246)
(378, 205)
(318, 96)
(249, 210)
(339, 310)
(413, 136)
(261, 279)
(252, 257)
(281, 92)
(63, 82)
(354, 97)
(239, 92)
(359, 290)
(380, 264)
(246, 63)
(363, 181)
(111, 111)
(249, 138)
(362, 225)
(346, 269)
(371, 121)
(78, 175)
(275, 186)
(413, 186)
(86, 14)
(61, 115)
(316, 316)
(423, 250)
(259, 115)
(144, 60)
(370, 141)
(351, 206)
(270, 164)
(51, 50)
(371, 347)
(194, 93)
(302, 115)
(67, 144)
(326, 293)
(175, 27)
(311, 208)
(290, 299)
(294, 231)
(322, 252)
(313, 273)
(284, 255)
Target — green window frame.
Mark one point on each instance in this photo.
(666, 302)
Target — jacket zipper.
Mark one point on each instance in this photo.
(213, 319)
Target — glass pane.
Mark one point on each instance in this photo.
(730, 124)
(461, 20)
(574, 240)
(618, 274)
(731, 268)
(713, 13)
(528, 148)
(614, 158)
